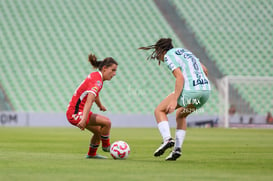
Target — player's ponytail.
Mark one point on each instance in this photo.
(100, 64)
(162, 45)
(93, 61)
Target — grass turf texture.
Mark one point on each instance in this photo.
(208, 154)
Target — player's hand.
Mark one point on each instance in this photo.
(102, 108)
(171, 107)
(81, 125)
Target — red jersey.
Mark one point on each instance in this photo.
(92, 84)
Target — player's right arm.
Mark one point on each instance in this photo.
(88, 104)
(179, 84)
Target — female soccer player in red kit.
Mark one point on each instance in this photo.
(78, 112)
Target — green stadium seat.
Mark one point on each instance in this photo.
(250, 22)
(46, 44)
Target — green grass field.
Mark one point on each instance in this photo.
(208, 154)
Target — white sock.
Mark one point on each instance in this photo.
(179, 138)
(164, 130)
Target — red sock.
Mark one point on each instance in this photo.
(93, 149)
(105, 140)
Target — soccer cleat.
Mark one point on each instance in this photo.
(163, 147)
(97, 156)
(176, 153)
(106, 149)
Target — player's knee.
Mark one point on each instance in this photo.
(108, 122)
(97, 131)
(156, 111)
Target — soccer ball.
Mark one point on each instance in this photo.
(119, 150)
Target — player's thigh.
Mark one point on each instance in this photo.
(162, 106)
(94, 129)
(99, 120)
(183, 112)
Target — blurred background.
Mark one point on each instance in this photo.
(45, 46)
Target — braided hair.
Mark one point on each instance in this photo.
(161, 46)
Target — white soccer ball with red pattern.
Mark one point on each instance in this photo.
(120, 150)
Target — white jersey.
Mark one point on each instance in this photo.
(190, 66)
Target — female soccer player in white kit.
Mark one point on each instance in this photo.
(192, 90)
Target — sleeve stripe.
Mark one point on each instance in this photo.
(92, 92)
(86, 92)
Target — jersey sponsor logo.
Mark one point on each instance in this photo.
(186, 54)
(95, 89)
(186, 101)
(99, 84)
(200, 82)
(181, 51)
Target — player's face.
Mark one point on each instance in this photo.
(109, 72)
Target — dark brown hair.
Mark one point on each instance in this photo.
(108, 61)
(162, 45)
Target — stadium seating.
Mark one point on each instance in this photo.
(234, 33)
(45, 46)
(237, 36)
(3, 105)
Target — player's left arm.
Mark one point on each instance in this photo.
(204, 69)
(99, 104)
(179, 83)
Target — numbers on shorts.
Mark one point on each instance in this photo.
(77, 116)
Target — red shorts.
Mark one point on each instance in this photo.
(74, 119)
